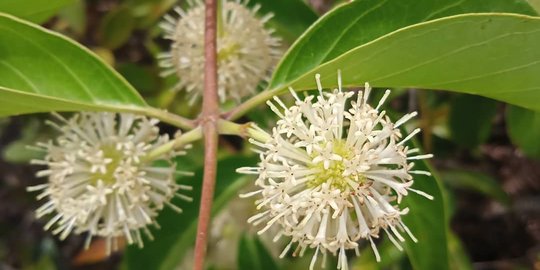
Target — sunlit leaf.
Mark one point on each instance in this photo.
(492, 55)
(360, 22)
(43, 71)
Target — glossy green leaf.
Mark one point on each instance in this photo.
(360, 22)
(492, 55)
(470, 119)
(252, 254)
(524, 130)
(177, 233)
(427, 221)
(287, 26)
(43, 71)
(478, 182)
(37, 11)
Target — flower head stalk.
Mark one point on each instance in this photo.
(100, 181)
(247, 51)
(333, 172)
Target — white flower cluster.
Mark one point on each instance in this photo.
(246, 50)
(101, 180)
(332, 174)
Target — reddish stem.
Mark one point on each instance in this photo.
(210, 114)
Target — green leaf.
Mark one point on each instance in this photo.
(427, 221)
(287, 26)
(43, 71)
(360, 22)
(470, 119)
(253, 255)
(116, 27)
(74, 16)
(535, 4)
(390, 256)
(37, 11)
(177, 233)
(459, 259)
(523, 127)
(492, 55)
(17, 151)
(476, 181)
(141, 77)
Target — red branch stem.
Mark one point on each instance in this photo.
(210, 115)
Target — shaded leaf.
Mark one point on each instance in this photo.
(116, 27)
(74, 15)
(427, 221)
(476, 181)
(287, 26)
(177, 233)
(470, 119)
(524, 129)
(140, 77)
(37, 11)
(390, 255)
(252, 254)
(17, 151)
(459, 259)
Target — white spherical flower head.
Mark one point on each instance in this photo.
(101, 180)
(333, 172)
(247, 51)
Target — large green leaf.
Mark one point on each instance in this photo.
(37, 11)
(360, 22)
(524, 130)
(177, 233)
(43, 71)
(493, 55)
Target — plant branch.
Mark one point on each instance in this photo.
(243, 130)
(178, 142)
(249, 104)
(170, 118)
(210, 115)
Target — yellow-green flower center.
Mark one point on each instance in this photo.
(226, 51)
(333, 175)
(109, 152)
